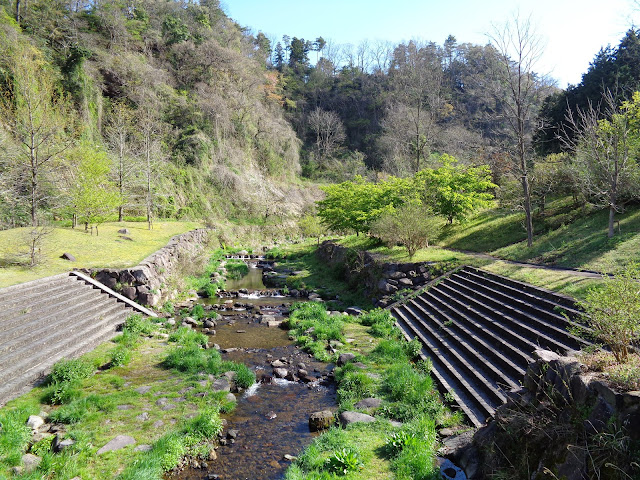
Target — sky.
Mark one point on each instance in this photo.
(572, 31)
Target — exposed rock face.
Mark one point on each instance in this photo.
(144, 282)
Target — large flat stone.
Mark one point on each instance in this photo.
(117, 443)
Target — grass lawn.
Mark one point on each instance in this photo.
(583, 244)
(108, 249)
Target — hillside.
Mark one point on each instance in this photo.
(174, 100)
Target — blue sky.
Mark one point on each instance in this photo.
(572, 30)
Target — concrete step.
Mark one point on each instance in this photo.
(446, 383)
(543, 308)
(64, 316)
(30, 290)
(480, 331)
(60, 339)
(474, 401)
(482, 341)
(527, 321)
(496, 379)
(562, 301)
(506, 342)
(50, 313)
(34, 370)
(20, 305)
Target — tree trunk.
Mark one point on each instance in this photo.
(612, 212)
(527, 209)
(120, 213)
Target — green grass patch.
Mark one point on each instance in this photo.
(236, 269)
(115, 252)
(383, 368)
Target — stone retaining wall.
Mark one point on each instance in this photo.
(145, 283)
(558, 425)
(381, 279)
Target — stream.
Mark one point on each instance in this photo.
(271, 417)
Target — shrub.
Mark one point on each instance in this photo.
(70, 371)
(136, 324)
(121, 355)
(185, 336)
(236, 269)
(404, 384)
(60, 393)
(206, 425)
(244, 378)
(355, 386)
(392, 351)
(197, 312)
(613, 311)
(343, 461)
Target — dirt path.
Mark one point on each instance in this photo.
(571, 271)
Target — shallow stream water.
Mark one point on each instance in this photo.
(271, 418)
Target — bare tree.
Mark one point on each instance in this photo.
(411, 120)
(119, 133)
(36, 116)
(328, 130)
(606, 152)
(520, 90)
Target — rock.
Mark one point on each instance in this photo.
(278, 364)
(345, 358)
(34, 422)
(289, 458)
(124, 231)
(232, 434)
(405, 282)
(230, 397)
(162, 401)
(144, 389)
(280, 372)
(347, 418)
(143, 417)
(30, 462)
(266, 319)
(368, 404)
(59, 445)
(190, 321)
(117, 443)
(68, 256)
(387, 288)
(221, 384)
(171, 321)
(129, 292)
(449, 471)
(355, 311)
(143, 448)
(321, 420)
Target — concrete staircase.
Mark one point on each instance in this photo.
(480, 329)
(49, 319)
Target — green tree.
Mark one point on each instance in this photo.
(411, 225)
(94, 196)
(311, 226)
(454, 190)
(355, 205)
(613, 311)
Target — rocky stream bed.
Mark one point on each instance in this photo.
(270, 424)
